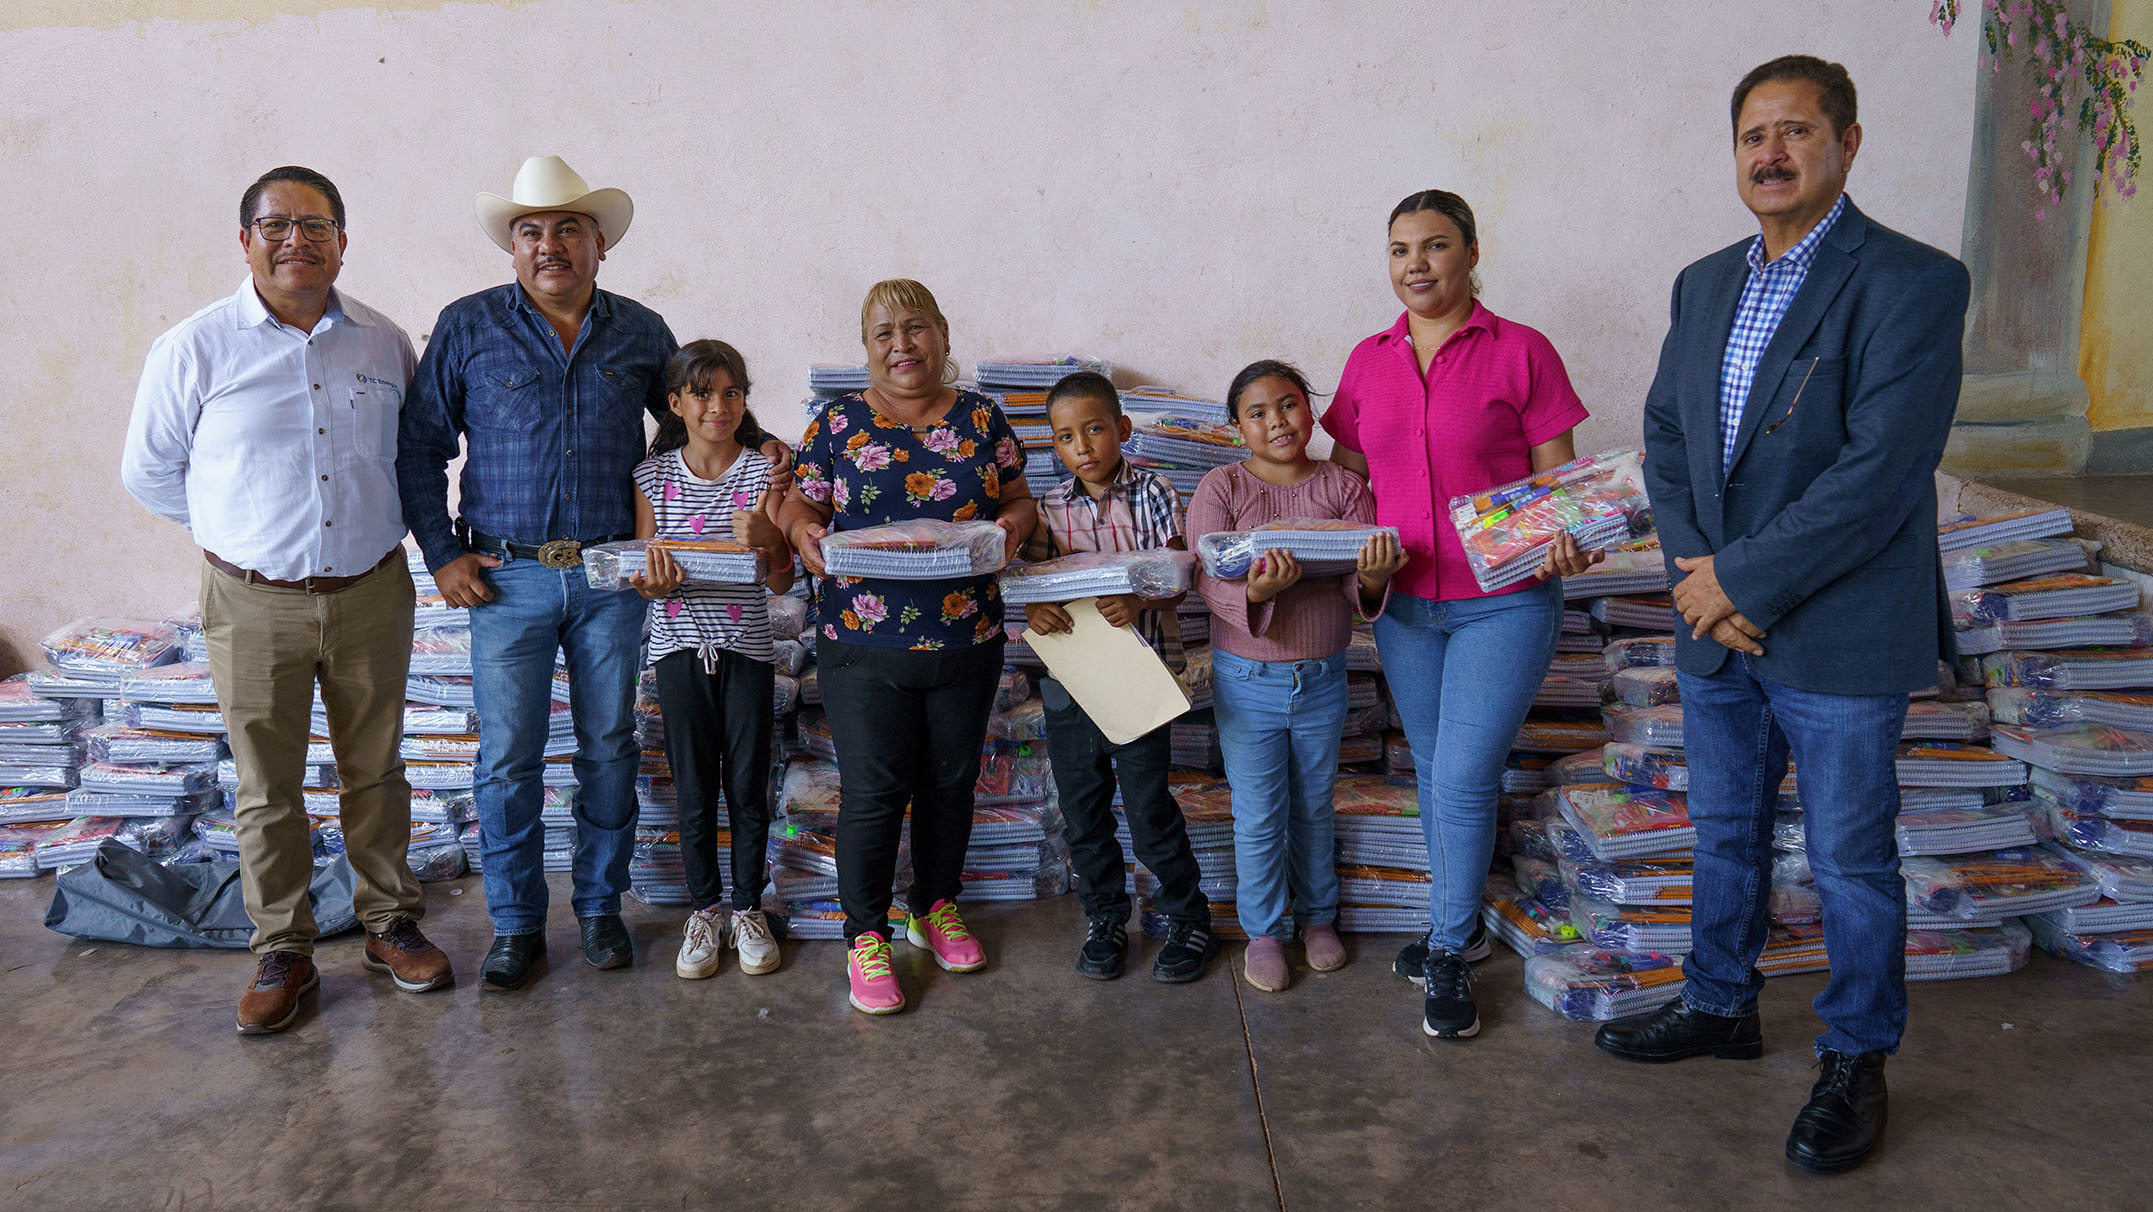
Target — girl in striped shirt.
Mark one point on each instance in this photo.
(711, 645)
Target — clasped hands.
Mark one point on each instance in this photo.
(1704, 605)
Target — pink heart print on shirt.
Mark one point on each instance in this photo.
(743, 500)
(672, 608)
(732, 611)
(672, 491)
(696, 523)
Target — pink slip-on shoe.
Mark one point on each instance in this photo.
(1326, 951)
(944, 933)
(1264, 965)
(867, 969)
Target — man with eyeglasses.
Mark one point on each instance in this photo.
(1805, 390)
(266, 425)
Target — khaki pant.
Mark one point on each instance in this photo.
(266, 648)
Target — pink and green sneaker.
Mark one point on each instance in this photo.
(943, 932)
(867, 968)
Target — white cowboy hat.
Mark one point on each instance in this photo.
(547, 183)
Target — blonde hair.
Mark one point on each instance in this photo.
(901, 295)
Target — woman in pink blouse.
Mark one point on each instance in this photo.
(1450, 400)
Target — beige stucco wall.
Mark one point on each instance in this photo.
(1179, 188)
(2116, 340)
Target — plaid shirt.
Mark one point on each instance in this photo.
(1140, 511)
(1765, 298)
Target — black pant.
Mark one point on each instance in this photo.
(908, 727)
(717, 733)
(1085, 767)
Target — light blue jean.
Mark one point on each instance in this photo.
(1740, 730)
(1279, 723)
(1463, 675)
(536, 611)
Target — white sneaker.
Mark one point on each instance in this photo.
(702, 944)
(751, 937)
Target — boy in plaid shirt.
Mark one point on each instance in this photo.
(1112, 506)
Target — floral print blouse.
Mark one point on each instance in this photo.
(868, 470)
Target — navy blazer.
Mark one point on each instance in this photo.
(1825, 527)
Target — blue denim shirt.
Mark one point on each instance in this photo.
(553, 437)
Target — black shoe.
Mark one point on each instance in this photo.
(511, 960)
(1106, 945)
(1189, 948)
(1412, 961)
(1449, 1012)
(1843, 1122)
(605, 942)
(1675, 1032)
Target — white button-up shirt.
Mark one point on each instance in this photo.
(275, 447)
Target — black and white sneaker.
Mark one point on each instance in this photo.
(1189, 947)
(1106, 944)
(1412, 961)
(1450, 1012)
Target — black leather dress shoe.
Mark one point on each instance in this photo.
(605, 942)
(1844, 1120)
(511, 960)
(1675, 1032)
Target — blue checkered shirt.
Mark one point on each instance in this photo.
(1765, 298)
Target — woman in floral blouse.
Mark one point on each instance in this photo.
(908, 668)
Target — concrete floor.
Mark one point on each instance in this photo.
(1022, 1086)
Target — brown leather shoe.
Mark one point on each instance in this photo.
(271, 1003)
(413, 963)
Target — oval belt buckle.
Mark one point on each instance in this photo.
(561, 553)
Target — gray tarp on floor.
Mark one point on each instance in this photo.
(123, 896)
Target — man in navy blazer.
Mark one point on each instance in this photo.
(1803, 397)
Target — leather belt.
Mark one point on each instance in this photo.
(310, 584)
(558, 554)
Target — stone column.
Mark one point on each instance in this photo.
(2022, 406)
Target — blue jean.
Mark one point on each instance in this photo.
(536, 611)
(1279, 723)
(1739, 730)
(1483, 659)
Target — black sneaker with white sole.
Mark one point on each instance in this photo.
(1412, 961)
(1106, 943)
(1450, 1012)
(1189, 947)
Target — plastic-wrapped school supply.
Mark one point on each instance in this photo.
(1659, 726)
(1576, 768)
(118, 743)
(2100, 833)
(2071, 669)
(2104, 916)
(1943, 955)
(614, 566)
(2051, 708)
(1656, 881)
(1528, 926)
(2121, 877)
(441, 652)
(1635, 567)
(1646, 651)
(186, 682)
(1568, 692)
(1559, 736)
(1161, 573)
(21, 704)
(2004, 883)
(1645, 766)
(1941, 720)
(2103, 630)
(1649, 686)
(1541, 880)
(109, 649)
(925, 549)
(21, 804)
(2012, 560)
(1632, 928)
(788, 616)
(1626, 822)
(2092, 749)
(2123, 799)
(1506, 531)
(2125, 951)
(1323, 546)
(76, 841)
(1654, 612)
(2060, 596)
(1950, 764)
(1998, 528)
(1963, 830)
(1591, 984)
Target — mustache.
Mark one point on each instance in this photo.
(1765, 175)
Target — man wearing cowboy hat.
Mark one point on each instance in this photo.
(266, 425)
(547, 379)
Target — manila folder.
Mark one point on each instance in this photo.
(1114, 676)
